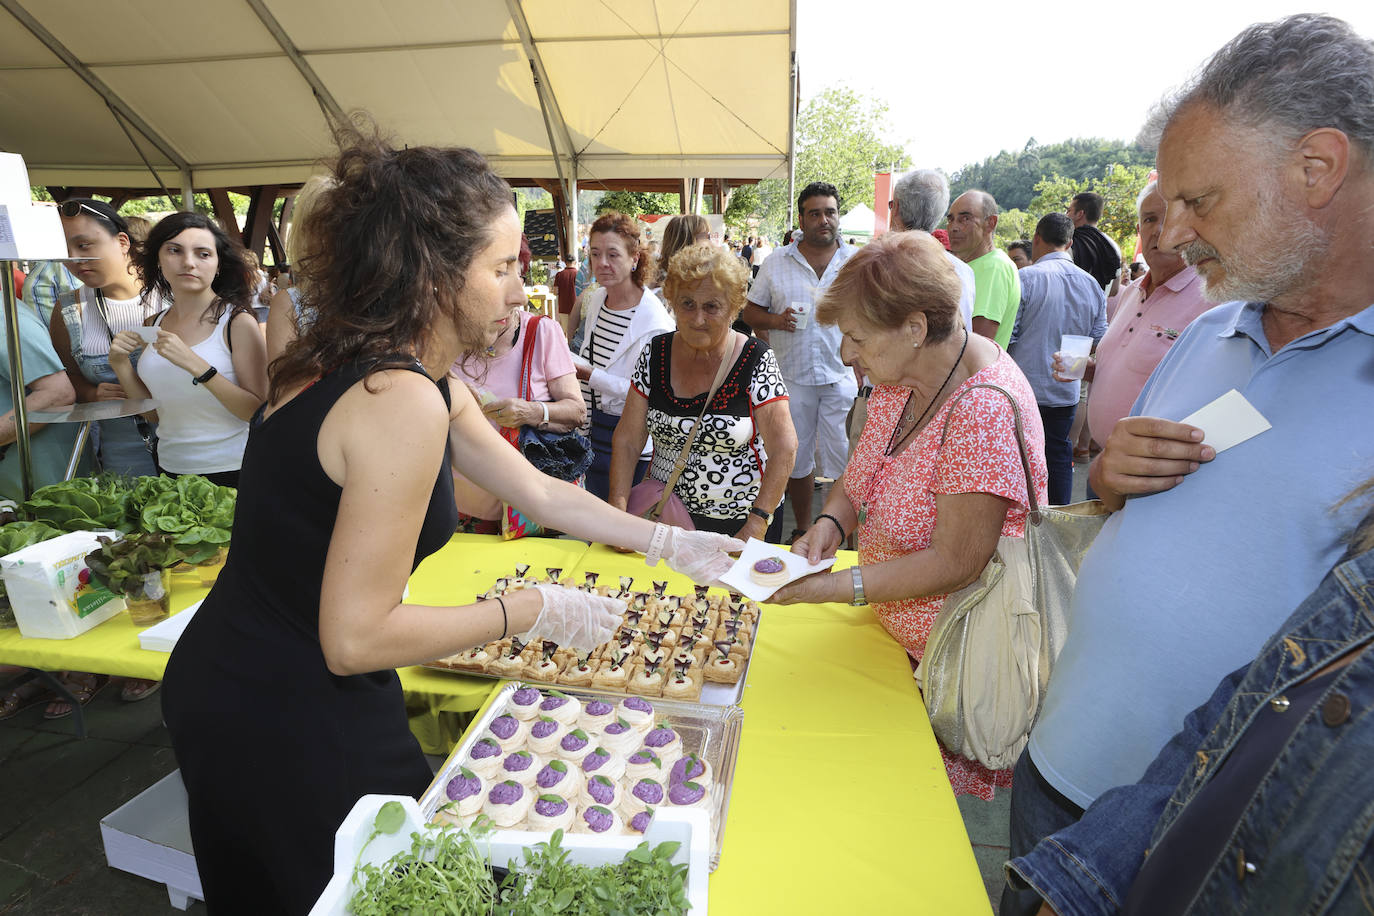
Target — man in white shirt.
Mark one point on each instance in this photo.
(782, 305)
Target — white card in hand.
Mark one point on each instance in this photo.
(795, 564)
(149, 335)
(1227, 421)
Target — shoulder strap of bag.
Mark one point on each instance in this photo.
(681, 464)
(1031, 501)
(527, 357)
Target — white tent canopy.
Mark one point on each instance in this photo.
(858, 221)
(241, 92)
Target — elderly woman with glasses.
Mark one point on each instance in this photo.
(937, 477)
(743, 452)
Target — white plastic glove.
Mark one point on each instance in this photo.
(702, 556)
(574, 619)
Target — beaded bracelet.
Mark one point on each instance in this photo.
(834, 521)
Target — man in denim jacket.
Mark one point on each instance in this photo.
(1263, 802)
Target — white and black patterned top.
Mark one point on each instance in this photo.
(722, 478)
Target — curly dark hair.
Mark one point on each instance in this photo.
(233, 285)
(628, 230)
(388, 250)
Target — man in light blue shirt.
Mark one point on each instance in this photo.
(1057, 298)
(1266, 168)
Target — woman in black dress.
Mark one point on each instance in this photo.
(281, 697)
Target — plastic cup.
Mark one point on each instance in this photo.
(801, 313)
(1075, 351)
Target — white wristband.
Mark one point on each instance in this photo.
(545, 405)
(656, 542)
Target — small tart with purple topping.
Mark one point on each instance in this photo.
(602, 790)
(770, 572)
(545, 733)
(640, 822)
(666, 743)
(508, 732)
(561, 707)
(561, 777)
(644, 793)
(644, 763)
(575, 745)
(601, 762)
(524, 703)
(464, 792)
(595, 716)
(620, 738)
(597, 819)
(690, 768)
(484, 758)
(521, 766)
(551, 811)
(689, 795)
(638, 712)
(507, 803)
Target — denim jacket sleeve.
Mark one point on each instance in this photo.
(1089, 867)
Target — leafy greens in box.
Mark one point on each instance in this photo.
(17, 536)
(82, 504)
(197, 514)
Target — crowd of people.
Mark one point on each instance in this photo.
(405, 365)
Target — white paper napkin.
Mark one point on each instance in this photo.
(148, 334)
(163, 637)
(1227, 421)
(794, 564)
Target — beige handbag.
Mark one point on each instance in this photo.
(991, 648)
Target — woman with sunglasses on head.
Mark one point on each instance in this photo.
(208, 365)
(87, 319)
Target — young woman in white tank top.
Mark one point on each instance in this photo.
(208, 365)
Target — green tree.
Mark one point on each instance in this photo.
(633, 203)
(1011, 177)
(1013, 225)
(1118, 184)
(841, 140)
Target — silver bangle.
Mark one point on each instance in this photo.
(858, 599)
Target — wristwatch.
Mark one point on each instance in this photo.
(858, 599)
(761, 513)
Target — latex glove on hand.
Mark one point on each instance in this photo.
(702, 556)
(574, 619)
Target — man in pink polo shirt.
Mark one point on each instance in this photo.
(1150, 314)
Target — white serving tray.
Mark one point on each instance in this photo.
(711, 732)
(686, 826)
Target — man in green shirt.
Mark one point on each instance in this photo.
(971, 222)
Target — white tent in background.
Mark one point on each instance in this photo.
(858, 221)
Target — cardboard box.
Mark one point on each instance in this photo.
(50, 589)
(150, 836)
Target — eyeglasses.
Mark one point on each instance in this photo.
(73, 208)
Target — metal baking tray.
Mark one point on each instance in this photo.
(711, 694)
(711, 732)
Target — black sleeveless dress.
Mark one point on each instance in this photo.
(273, 748)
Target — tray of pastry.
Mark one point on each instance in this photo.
(691, 648)
(588, 761)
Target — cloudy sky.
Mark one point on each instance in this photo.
(960, 90)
